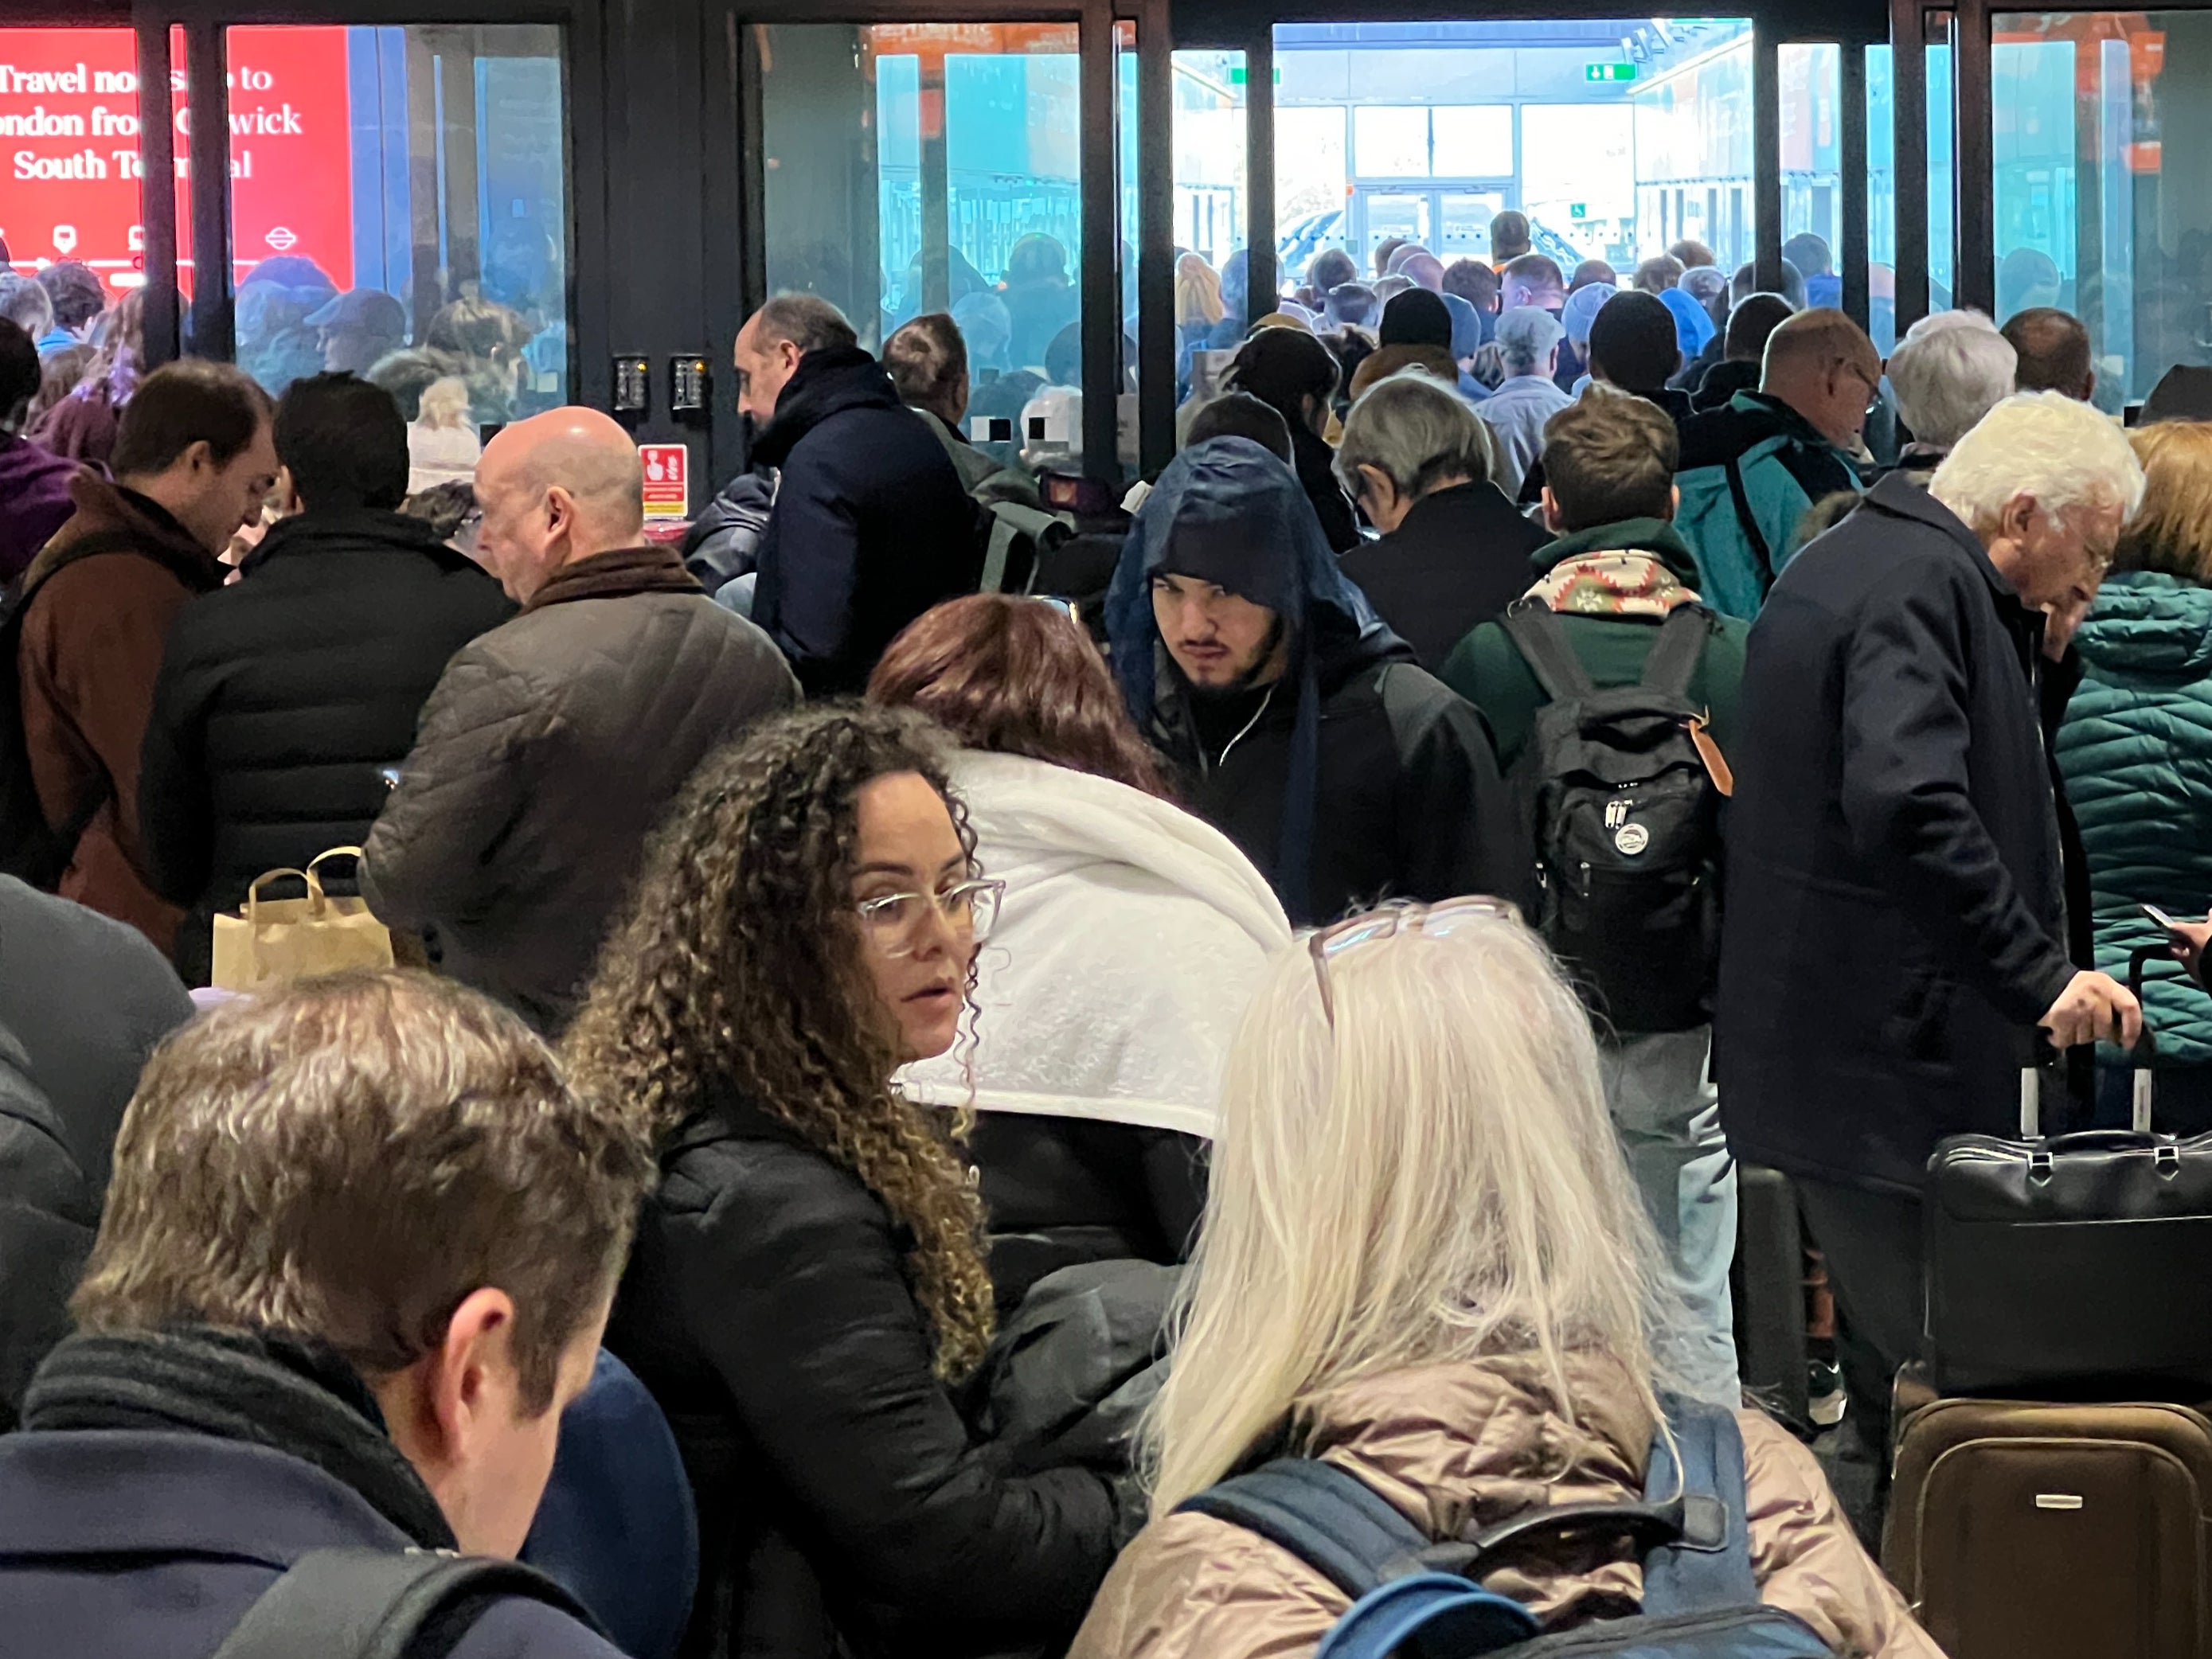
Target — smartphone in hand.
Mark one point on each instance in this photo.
(2159, 916)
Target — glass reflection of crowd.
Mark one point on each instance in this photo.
(495, 352)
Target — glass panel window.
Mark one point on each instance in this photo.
(1881, 200)
(398, 207)
(2102, 152)
(1579, 176)
(1209, 152)
(1473, 140)
(68, 158)
(1811, 83)
(1694, 150)
(1943, 201)
(1393, 213)
(1390, 143)
(1313, 186)
(937, 166)
(1463, 223)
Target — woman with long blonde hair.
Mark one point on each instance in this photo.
(807, 1296)
(1424, 1261)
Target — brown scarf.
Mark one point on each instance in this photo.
(615, 575)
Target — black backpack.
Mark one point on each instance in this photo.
(31, 849)
(374, 1604)
(1622, 811)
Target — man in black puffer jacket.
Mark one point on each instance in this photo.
(872, 525)
(282, 697)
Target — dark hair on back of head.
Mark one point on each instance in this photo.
(183, 404)
(76, 293)
(1239, 414)
(1019, 677)
(1634, 339)
(1473, 282)
(342, 440)
(926, 360)
(1610, 455)
(805, 320)
(1751, 322)
(444, 506)
(738, 969)
(2052, 349)
(1282, 367)
(19, 369)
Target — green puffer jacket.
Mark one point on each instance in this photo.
(2136, 752)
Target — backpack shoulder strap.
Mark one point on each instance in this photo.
(1762, 555)
(1332, 1521)
(1672, 662)
(1544, 646)
(373, 1604)
(1709, 1567)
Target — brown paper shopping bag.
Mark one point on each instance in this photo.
(272, 942)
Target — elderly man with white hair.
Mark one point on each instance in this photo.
(1951, 368)
(1895, 932)
(1528, 340)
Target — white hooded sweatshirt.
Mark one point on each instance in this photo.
(1131, 939)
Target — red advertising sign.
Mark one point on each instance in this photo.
(69, 148)
(667, 480)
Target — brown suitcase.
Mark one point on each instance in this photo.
(2018, 1531)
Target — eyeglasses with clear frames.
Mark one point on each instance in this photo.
(893, 922)
(1399, 916)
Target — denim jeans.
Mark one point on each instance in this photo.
(1666, 1111)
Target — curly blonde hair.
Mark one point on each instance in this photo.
(741, 962)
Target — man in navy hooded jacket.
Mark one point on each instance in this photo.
(1304, 728)
(870, 525)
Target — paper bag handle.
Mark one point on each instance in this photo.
(334, 853)
(315, 901)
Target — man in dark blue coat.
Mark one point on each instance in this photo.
(360, 1244)
(872, 527)
(1895, 928)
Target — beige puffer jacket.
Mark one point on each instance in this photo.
(1465, 1446)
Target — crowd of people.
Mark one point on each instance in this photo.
(906, 1072)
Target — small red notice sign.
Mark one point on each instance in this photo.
(667, 480)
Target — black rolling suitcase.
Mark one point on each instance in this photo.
(2075, 1267)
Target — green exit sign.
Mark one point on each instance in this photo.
(1239, 76)
(1608, 71)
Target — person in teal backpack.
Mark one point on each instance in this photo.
(1425, 1289)
(1749, 470)
(2136, 754)
(1615, 590)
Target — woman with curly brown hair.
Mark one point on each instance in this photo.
(807, 1295)
(1133, 937)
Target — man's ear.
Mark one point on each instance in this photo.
(287, 493)
(471, 1373)
(1554, 521)
(1673, 501)
(199, 456)
(2012, 518)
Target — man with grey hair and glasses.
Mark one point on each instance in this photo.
(870, 525)
(1528, 340)
(1895, 928)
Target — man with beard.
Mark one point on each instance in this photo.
(1303, 726)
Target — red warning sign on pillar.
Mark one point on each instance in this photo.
(667, 480)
